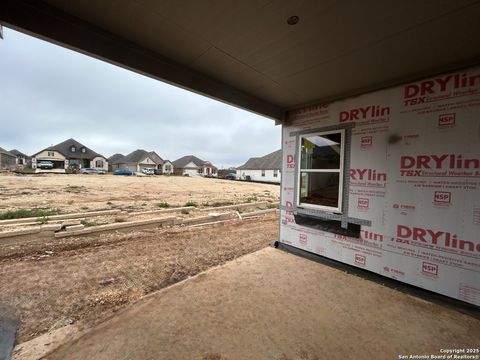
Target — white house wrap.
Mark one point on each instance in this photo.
(411, 166)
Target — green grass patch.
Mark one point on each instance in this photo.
(191, 203)
(27, 213)
(28, 171)
(252, 199)
(185, 212)
(163, 205)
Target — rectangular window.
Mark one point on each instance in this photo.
(51, 153)
(99, 163)
(320, 179)
(263, 172)
(275, 173)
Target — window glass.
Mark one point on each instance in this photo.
(321, 170)
(321, 151)
(320, 188)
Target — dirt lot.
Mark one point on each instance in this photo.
(83, 280)
(74, 193)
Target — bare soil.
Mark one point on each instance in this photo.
(77, 193)
(86, 279)
(51, 283)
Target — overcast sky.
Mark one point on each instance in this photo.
(49, 94)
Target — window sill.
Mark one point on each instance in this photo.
(332, 226)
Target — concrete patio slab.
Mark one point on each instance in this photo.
(275, 305)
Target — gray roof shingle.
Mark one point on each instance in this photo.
(139, 155)
(65, 148)
(272, 161)
(3, 151)
(185, 160)
(115, 158)
(19, 154)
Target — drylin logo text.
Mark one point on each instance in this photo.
(364, 113)
(444, 165)
(441, 88)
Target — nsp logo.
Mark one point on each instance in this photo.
(446, 120)
(442, 197)
(366, 142)
(290, 162)
(363, 203)
(429, 268)
(360, 259)
(302, 238)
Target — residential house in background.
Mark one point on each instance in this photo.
(265, 169)
(22, 160)
(113, 160)
(7, 159)
(193, 166)
(70, 154)
(138, 160)
(167, 167)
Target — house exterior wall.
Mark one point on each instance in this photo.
(414, 182)
(208, 171)
(93, 163)
(167, 168)
(7, 161)
(146, 164)
(190, 171)
(256, 175)
(46, 156)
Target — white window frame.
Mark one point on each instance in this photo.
(331, 209)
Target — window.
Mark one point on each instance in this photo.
(99, 163)
(275, 173)
(51, 153)
(83, 150)
(263, 172)
(73, 149)
(320, 179)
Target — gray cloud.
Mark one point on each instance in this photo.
(49, 94)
